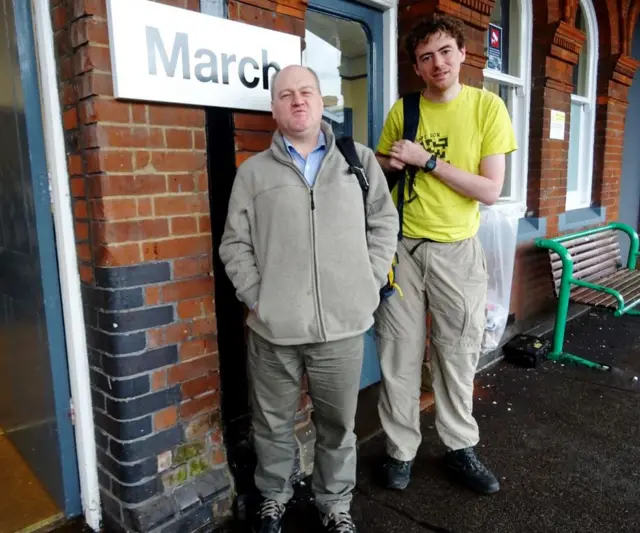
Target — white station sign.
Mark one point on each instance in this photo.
(168, 54)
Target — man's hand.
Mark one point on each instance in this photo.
(389, 164)
(409, 153)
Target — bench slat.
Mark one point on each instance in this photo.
(577, 248)
(621, 284)
(586, 254)
(594, 258)
(614, 280)
(627, 282)
(594, 272)
(582, 268)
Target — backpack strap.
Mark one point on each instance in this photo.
(348, 150)
(411, 120)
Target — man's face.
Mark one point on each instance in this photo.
(438, 61)
(297, 103)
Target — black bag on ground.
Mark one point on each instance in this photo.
(526, 350)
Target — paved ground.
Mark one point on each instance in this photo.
(564, 440)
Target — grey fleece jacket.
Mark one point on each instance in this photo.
(302, 252)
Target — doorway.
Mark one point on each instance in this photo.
(343, 45)
(630, 183)
(38, 466)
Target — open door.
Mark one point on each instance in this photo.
(38, 468)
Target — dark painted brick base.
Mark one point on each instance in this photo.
(188, 508)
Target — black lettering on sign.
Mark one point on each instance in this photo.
(226, 61)
(211, 64)
(207, 69)
(242, 70)
(180, 48)
(265, 69)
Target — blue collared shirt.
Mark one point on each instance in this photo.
(310, 166)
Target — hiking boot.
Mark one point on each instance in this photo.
(270, 517)
(468, 468)
(397, 473)
(338, 523)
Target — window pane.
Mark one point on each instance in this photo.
(497, 45)
(338, 51)
(575, 125)
(506, 93)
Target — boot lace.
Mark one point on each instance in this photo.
(271, 509)
(470, 461)
(339, 523)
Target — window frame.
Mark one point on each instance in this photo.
(581, 198)
(519, 86)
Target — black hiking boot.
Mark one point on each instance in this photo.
(270, 517)
(397, 474)
(469, 469)
(338, 523)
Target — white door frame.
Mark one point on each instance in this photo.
(75, 333)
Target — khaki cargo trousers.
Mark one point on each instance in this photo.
(333, 371)
(450, 281)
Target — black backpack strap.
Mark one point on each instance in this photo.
(411, 120)
(348, 150)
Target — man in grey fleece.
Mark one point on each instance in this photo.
(304, 260)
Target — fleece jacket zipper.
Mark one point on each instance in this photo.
(316, 275)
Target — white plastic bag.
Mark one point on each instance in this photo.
(498, 234)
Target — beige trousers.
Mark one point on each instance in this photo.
(450, 281)
(333, 370)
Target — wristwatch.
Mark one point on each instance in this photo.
(430, 165)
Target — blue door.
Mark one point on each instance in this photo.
(34, 382)
(344, 46)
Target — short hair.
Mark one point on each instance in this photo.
(430, 26)
(275, 75)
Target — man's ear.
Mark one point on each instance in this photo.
(463, 52)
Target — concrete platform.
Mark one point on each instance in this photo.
(564, 441)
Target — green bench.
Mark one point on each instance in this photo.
(587, 269)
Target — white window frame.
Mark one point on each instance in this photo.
(521, 40)
(582, 197)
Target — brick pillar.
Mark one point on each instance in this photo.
(615, 76)
(474, 13)
(141, 206)
(556, 48)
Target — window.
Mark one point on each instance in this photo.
(583, 111)
(508, 74)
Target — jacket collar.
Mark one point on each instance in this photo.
(279, 147)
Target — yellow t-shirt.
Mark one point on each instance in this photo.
(461, 132)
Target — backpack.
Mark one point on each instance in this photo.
(411, 110)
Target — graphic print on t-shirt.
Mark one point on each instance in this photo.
(436, 145)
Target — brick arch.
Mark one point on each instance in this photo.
(632, 22)
(608, 28)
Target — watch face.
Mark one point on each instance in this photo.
(431, 164)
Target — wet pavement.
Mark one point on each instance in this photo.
(564, 441)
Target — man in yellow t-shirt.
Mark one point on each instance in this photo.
(460, 149)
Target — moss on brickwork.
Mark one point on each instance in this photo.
(187, 451)
(197, 466)
(176, 477)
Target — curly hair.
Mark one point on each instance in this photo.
(430, 26)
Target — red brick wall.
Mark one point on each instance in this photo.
(141, 206)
